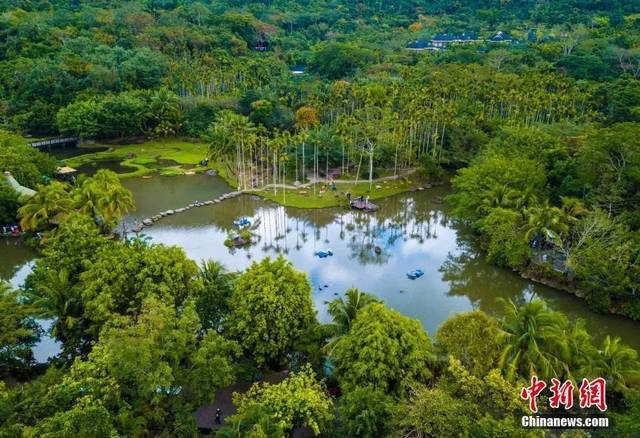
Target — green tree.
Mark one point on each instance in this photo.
(336, 60)
(9, 204)
(212, 366)
(507, 242)
(476, 185)
(18, 331)
(617, 363)
(212, 303)
(270, 308)
(47, 207)
(546, 223)
(472, 338)
(627, 422)
(150, 369)
(432, 412)
(53, 286)
(300, 400)
(365, 412)
(164, 112)
(384, 350)
(609, 166)
(602, 253)
(87, 419)
(104, 198)
(27, 165)
(490, 395)
(123, 275)
(230, 136)
(534, 341)
(255, 422)
(80, 118)
(344, 312)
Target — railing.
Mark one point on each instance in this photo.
(53, 141)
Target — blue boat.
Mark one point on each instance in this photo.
(416, 273)
(324, 253)
(242, 222)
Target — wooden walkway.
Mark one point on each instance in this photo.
(53, 142)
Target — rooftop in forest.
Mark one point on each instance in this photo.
(420, 45)
(500, 37)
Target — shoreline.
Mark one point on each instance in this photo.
(180, 156)
(566, 287)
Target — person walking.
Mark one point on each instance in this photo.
(218, 416)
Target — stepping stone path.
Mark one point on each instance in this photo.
(149, 221)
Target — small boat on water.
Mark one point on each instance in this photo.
(323, 253)
(416, 273)
(364, 205)
(242, 222)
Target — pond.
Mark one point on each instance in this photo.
(70, 152)
(411, 231)
(115, 165)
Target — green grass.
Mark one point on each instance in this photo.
(304, 198)
(143, 157)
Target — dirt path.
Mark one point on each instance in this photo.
(205, 415)
(337, 181)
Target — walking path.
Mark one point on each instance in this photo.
(148, 222)
(313, 180)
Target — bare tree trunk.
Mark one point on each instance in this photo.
(359, 164)
(370, 166)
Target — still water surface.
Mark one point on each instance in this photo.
(411, 230)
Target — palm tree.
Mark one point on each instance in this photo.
(500, 197)
(581, 350)
(55, 299)
(524, 199)
(617, 363)
(45, 207)
(344, 311)
(231, 135)
(546, 222)
(104, 198)
(572, 209)
(164, 110)
(534, 341)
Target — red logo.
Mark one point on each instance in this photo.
(531, 392)
(562, 394)
(592, 393)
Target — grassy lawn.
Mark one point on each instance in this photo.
(304, 198)
(145, 158)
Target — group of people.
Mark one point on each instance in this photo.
(359, 198)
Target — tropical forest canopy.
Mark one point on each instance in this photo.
(540, 127)
(536, 127)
